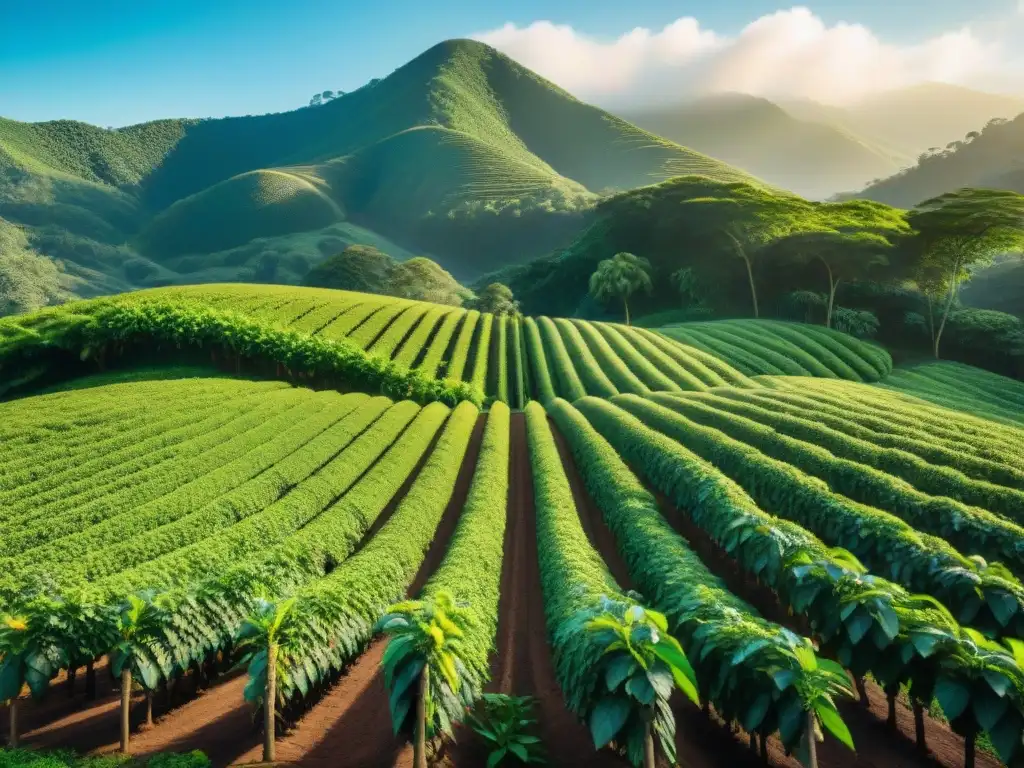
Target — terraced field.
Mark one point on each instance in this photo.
(771, 495)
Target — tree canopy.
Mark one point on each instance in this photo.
(497, 299)
(357, 268)
(620, 277)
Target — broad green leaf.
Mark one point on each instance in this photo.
(833, 721)
(953, 697)
(618, 669)
(496, 757)
(607, 719)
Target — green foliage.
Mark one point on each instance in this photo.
(424, 280)
(759, 674)
(497, 299)
(268, 633)
(28, 281)
(357, 268)
(602, 639)
(141, 621)
(452, 628)
(870, 624)
(19, 758)
(503, 722)
(87, 330)
(563, 369)
(620, 277)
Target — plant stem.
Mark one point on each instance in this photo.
(649, 759)
(419, 748)
(12, 740)
(149, 708)
(949, 303)
(922, 745)
(90, 680)
(126, 707)
(269, 702)
(862, 691)
(625, 304)
(969, 750)
(72, 674)
(812, 742)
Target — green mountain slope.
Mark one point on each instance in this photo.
(810, 158)
(459, 147)
(992, 158)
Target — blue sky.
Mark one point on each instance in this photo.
(111, 62)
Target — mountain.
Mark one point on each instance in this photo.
(909, 121)
(993, 157)
(461, 153)
(810, 158)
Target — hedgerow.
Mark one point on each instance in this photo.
(108, 327)
(872, 625)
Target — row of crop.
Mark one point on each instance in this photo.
(879, 432)
(614, 660)
(482, 352)
(706, 366)
(737, 655)
(53, 337)
(954, 396)
(312, 319)
(952, 428)
(270, 511)
(440, 644)
(456, 366)
(431, 364)
(499, 364)
(520, 372)
(620, 375)
(995, 389)
(414, 345)
(658, 371)
(132, 534)
(563, 371)
(766, 342)
(68, 485)
(590, 372)
(118, 516)
(870, 624)
(987, 597)
(839, 357)
(543, 384)
(83, 436)
(333, 618)
(735, 353)
(930, 478)
(367, 332)
(388, 342)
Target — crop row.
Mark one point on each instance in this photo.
(986, 597)
(737, 655)
(870, 624)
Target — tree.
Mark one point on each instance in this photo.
(960, 230)
(422, 279)
(265, 639)
(357, 268)
(686, 282)
(747, 218)
(137, 655)
(852, 240)
(28, 280)
(497, 299)
(620, 277)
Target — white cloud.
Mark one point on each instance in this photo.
(788, 54)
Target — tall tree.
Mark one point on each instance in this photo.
(852, 241)
(620, 277)
(136, 657)
(497, 299)
(960, 230)
(746, 219)
(264, 639)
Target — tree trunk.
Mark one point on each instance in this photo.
(72, 674)
(419, 746)
(753, 288)
(812, 742)
(832, 285)
(269, 704)
(12, 737)
(753, 742)
(625, 306)
(922, 745)
(931, 317)
(764, 748)
(862, 691)
(149, 708)
(945, 312)
(126, 707)
(891, 719)
(649, 759)
(969, 750)
(90, 680)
